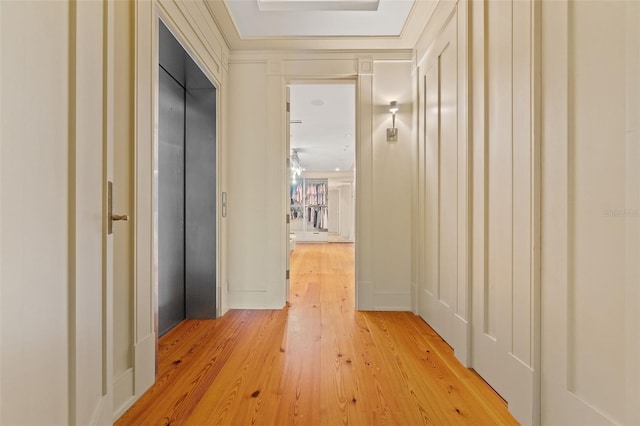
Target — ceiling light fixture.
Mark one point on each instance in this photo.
(296, 168)
(392, 133)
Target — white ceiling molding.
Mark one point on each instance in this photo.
(310, 5)
(418, 15)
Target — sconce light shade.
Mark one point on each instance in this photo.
(393, 107)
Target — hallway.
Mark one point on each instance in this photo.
(316, 362)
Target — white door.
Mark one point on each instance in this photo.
(590, 213)
(503, 293)
(439, 283)
(91, 282)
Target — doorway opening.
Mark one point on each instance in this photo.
(321, 201)
(186, 188)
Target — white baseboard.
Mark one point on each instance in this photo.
(123, 393)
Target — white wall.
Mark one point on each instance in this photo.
(504, 221)
(553, 119)
(34, 215)
(494, 279)
(590, 217)
(55, 295)
(256, 189)
(258, 176)
(392, 187)
(334, 210)
(124, 152)
(442, 213)
(347, 211)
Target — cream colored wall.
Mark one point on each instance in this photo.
(255, 214)
(257, 174)
(392, 187)
(590, 218)
(442, 214)
(549, 82)
(346, 211)
(34, 215)
(481, 298)
(123, 203)
(56, 307)
(504, 220)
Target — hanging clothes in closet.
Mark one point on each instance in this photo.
(310, 199)
(318, 217)
(296, 193)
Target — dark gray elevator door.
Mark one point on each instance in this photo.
(200, 198)
(187, 238)
(171, 162)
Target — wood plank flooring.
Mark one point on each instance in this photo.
(316, 362)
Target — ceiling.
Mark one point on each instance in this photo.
(312, 18)
(325, 137)
(321, 24)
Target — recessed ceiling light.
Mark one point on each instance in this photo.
(317, 102)
(337, 169)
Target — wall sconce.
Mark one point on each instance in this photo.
(392, 133)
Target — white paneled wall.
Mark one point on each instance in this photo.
(257, 203)
(256, 222)
(34, 215)
(590, 213)
(55, 319)
(503, 218)
(392, 184)
(479, 259)
(442, 208)
(554, 113)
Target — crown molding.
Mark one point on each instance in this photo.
(418, 17)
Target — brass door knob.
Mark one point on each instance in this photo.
(119, 217)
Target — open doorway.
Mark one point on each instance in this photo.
(322, 129)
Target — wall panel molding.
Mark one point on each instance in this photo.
(503, 264)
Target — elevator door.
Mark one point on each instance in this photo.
(187, 218)
(171, 212)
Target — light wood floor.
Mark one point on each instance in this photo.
(317, 362)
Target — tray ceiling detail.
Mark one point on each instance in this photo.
(319, 18)
(310, 5)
